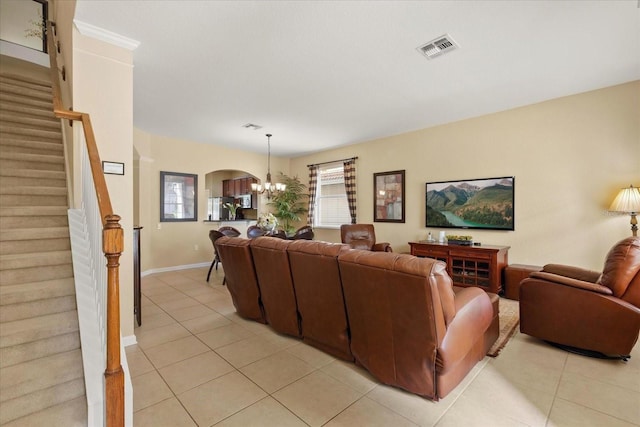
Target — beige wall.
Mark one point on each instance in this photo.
(170, 244)
(103, 87)
(569, 157)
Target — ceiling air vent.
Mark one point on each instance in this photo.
(437, 47)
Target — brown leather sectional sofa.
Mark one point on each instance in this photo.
(396, 315)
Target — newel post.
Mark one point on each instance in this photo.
(112, 245)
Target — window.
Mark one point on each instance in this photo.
(331, 208)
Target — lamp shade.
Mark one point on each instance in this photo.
(627, 200)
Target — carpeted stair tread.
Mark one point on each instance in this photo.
(25, 378)
(41, 259)
(34, 233)
(8, 118)
(34, 291)
(37, 328)
(35, 274)
(6, 130)
(25, 81)
(25, 91)
(26, 310)
(32, 210)
(32, 191)
(30, 200)
(26, 110)
(69, 413)
(31, 146)
(31, 102)
(33, 245)
(20, 164)
(36, 158)
(16, 354)
(35, 221)
(22, 406)
(22, 132)
(10, 181)
(32, 173)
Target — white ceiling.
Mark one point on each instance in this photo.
(319, 74)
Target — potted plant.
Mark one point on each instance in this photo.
(290, 204)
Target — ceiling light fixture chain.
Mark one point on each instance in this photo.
(268, 188)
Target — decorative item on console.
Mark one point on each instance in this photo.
(459, 240)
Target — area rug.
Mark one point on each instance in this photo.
(509, 321)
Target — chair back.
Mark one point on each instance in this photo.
(229, 231)
(213, 236)
(358, 236)
(254, 231)
(303, 233)
(621, 272)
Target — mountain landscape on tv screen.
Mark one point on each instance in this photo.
(468, 205)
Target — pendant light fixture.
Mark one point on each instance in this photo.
(269, 188)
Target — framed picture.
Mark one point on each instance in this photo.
(178, 197)
(388, 196)
(113, 168)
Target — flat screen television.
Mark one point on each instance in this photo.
(474, 203)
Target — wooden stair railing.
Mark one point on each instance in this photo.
(112, 246)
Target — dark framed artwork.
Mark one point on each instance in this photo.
(388, 196)
(178, 197)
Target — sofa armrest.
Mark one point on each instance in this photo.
(572, 272)
(382, 247)
(474, 314)
(574, 283)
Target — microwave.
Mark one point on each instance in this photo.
(246, 201)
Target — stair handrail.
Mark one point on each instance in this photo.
(112, 246)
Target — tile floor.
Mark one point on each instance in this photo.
(197, 363)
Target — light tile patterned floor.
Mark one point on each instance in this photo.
(197, 363)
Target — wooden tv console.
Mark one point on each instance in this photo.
(468, 265)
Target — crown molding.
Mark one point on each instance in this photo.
(105, 35)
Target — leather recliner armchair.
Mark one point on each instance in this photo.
(583, 309)
(362, 236)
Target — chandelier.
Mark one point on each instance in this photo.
(269, 187)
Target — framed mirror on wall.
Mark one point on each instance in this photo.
(388, 196)
(178, 197)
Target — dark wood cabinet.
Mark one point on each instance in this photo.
(227, 188)
(479, 266)
(237, 187)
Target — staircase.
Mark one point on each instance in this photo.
(41, 373)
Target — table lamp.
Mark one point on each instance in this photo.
(628, 201)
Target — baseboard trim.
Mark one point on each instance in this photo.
(129, 340)
(174, 268)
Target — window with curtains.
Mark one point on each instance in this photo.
(331, 208)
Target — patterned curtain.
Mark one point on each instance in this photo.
(313, 189)
(350, 186)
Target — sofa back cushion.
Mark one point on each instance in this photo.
(276, 286)
(621, 272)
(240, 275)
(318, 288)
(396, 316)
